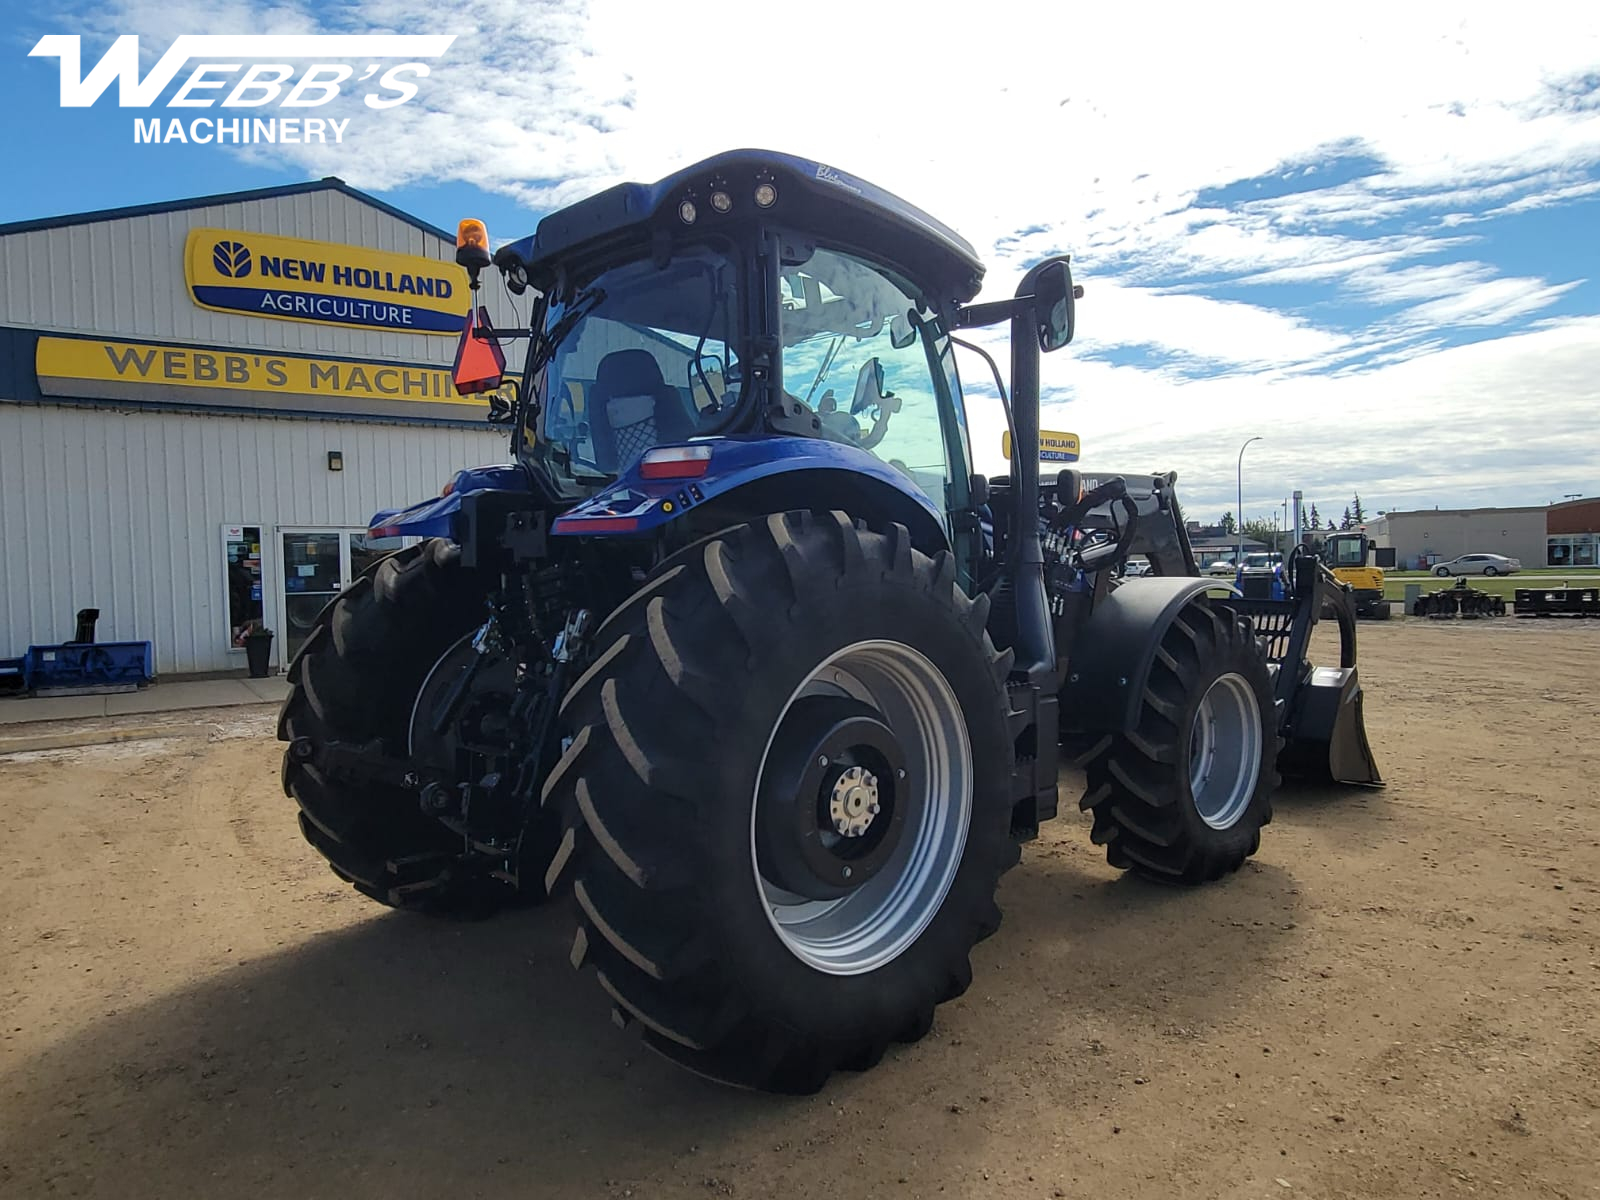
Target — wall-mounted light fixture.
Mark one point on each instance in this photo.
(335, 460)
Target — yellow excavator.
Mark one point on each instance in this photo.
(1348, 554)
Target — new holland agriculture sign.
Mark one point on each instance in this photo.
(293, 279)
(1053, 447)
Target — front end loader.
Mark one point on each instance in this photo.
(741, 659)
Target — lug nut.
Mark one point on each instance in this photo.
(873, 809)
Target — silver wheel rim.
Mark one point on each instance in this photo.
(1225, 751)
(877, 922)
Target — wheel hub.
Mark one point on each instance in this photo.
(847, 905)
(853, 802)
(831, 806)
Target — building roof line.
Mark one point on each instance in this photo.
(1461, 512)
(329, 183)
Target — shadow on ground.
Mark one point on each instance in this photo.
(401, 1056)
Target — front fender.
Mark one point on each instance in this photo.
(1116, 649)
(635, 504)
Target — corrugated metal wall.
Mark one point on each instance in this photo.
(126, 277)
(122, 511)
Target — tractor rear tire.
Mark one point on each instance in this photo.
(1183, 797)
(355, 681)
(706, 760)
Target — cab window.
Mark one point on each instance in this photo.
(861, 353)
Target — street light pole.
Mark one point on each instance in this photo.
(1238, 515)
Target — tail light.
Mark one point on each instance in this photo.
(675, 462)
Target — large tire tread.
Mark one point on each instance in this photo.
(353, 682)
(641, 776)
(1137, 782)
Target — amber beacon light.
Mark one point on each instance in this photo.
(472, 244)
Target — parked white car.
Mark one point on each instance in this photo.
(1479, 564)
(1223, 566)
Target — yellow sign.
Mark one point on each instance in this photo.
(109, 370)
(292, 279)
(1053, 447)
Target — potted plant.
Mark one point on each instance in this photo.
(257, 648)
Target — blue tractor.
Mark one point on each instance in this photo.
(741, 656)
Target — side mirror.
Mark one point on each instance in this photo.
(869, 387)
(1054, 305)
(977, 491)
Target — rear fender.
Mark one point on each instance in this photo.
(1115, 649)
(754, 475)
(436, 517)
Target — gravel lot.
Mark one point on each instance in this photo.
(1400, 996)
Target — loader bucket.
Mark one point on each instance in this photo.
(1327, 734)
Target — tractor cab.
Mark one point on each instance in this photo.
(752, 298)
(1346, 549)
(754, 294)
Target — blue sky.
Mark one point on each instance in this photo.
(1372, 242)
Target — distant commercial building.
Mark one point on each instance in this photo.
(1211, 544)
(202, 403)
(1554, 535)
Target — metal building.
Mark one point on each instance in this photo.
(1556, 535)
(203, 402)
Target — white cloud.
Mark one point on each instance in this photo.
(1198, 327)
(1100, 127)
(1499, 421)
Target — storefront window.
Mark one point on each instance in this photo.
(241, 548)
(1573, 550)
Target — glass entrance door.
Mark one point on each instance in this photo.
(318, 564)
(313, 574)
(364, 551)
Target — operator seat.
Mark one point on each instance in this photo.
(631, 408)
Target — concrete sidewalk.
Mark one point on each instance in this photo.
(158, 697)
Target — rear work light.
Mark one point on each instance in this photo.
(675, 462)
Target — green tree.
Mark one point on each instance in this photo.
(1344, 522)
(1357, 513)
(1229, 525)
(1315, 520)
(1262, 531)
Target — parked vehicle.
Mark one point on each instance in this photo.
(1222, 567)
(1479, 564)
(1266, 563)
(1349, 556)
(768, 707)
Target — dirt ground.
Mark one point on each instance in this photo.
(1400, 996)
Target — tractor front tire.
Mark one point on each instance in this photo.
(1183, 797)
(355, 681)
(787, 799)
